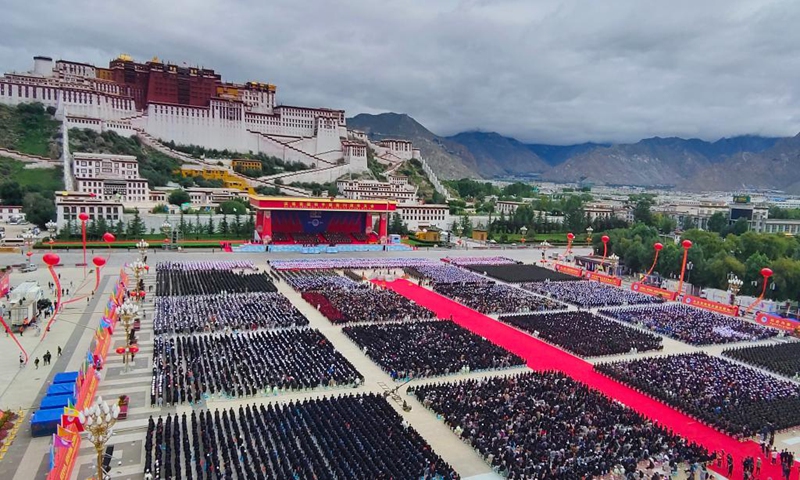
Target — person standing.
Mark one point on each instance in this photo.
(36, 363)
(21, 361)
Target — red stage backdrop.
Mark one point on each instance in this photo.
(654, 291)
(705, 304)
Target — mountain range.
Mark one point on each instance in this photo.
(736, 163)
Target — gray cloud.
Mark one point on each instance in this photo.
(545, 71)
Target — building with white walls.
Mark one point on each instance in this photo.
(109, 177)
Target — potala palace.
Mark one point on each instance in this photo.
(193, 106)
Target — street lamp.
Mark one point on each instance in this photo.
(734, 285)
(138, 267)
(142, 246)
(97, 421)
(166, 229)
(522, 232)
(127, 312)
(589, 231)
(614, 261)
(28, 239)
(52, 228)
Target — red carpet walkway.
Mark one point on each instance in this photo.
(541, 356)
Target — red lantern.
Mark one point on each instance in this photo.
(147, 268)
(134, 349)
(604, 238)
(120, 350)
(658, 247)
(109, 237)
(29, 254)
(570, 236)
(99, 261)
(687, 244)
(51, 259)
(83, 216)
(766, 272)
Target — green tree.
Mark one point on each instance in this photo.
(231, 207)
(136, 228)
(642, 211)
(11, 193)
(178, 197)
(717, 222)
(396, 225)
(210, 230)
(38, 209)
(237, 225)
(574, 215)
(119, 229)
(689, 223)
(466, 226)
(224, 228)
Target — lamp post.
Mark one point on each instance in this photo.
(28, 239)
(166, 229)
(52, 229)
(734, 285)
(127, 312)
(589, 231)
(544, 245)
(614, 261)
(522, 232)
(138, 267)
(142, 246)
(98, 421)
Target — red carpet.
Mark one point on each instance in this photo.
(541, 356)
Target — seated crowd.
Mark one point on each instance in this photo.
(234, 311)
(348, 437)
(495, 297)
(245, 364)
(463, 261)
(691, 325)
(521, 273)
(424, 349)
(365, 305)
(584, 333)
(783, 359)
(338, 238)
(210, 282)
(308, 280)
(735, 399)
(589, 294)
(207, 265)
(351, 263)
(443, 274)
(547, 426)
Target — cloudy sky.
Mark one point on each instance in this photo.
(539, 70)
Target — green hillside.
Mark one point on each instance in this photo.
(31, 129)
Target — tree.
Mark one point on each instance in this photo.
(466, 226)
(396, 225)
(333, 190)
(574, 215)
(38, 209)
(224, 228)
(178, 197)
(232, 207)
(643, 212)
(136, 227)
(11, 193)
(119, 229)
(717, 222)
(689, 223)
(237, 225)
(210, 230)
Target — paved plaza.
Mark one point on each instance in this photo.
(23, 388)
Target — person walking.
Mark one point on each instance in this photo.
(59, 350)
(36, 363)
(21, 361)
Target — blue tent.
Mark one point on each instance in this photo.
(44, 422)
(65, 377)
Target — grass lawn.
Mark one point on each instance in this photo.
(34, 179)
(28, 129)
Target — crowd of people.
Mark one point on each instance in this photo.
(584, 333)
(187, 368)
(443, 274)
(176, 282)
(521, 273)
(231, 311)
(589, 294)
(547, 426)
(473, 260)
(348, 437)
(735, 399)
(691, 325)
(206, 265)
(783, 358)
(310, 280)
(495, 297)
(351, 263)
(424, 349)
